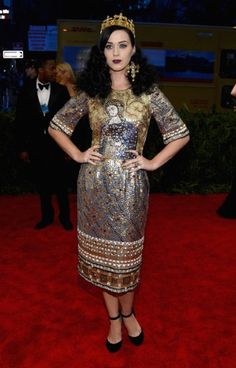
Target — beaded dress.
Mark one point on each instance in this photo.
(112, 201)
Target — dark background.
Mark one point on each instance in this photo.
(42, 12)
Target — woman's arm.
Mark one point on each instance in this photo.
(233, 92)
(169, 151)
(89, 156)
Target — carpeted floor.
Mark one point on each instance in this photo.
(186, 303)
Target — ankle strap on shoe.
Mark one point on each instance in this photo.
(127, 315)
(114, 318)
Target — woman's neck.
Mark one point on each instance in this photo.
(71, 89)
(119, 81)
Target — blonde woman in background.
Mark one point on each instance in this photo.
(66, 77)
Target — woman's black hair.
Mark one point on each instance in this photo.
(95, 79)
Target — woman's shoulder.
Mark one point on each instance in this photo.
(155, 88)
(80, 95)
(152, 91)
(79, 99)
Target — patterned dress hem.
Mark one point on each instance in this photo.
(108, 264)
(105, 287)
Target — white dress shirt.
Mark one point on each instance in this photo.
(43, 96)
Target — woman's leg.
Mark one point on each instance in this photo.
(112, 305)
(126, 302)
(131, 323)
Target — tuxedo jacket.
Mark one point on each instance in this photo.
(32, 125)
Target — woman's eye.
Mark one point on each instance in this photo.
(108, 47)
(123, 45)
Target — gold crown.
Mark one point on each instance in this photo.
(118, 20)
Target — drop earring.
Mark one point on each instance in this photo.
(132, 69)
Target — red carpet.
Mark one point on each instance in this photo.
(50, 318)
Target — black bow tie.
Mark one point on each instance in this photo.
(41, 86)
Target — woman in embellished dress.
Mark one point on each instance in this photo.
(118, 90)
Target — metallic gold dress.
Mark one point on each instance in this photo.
(113, 201)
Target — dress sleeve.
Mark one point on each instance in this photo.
(169, 122)
(68, 116)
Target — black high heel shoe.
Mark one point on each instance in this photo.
(136, 340)
(113, 348)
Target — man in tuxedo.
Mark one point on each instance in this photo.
(38, 102)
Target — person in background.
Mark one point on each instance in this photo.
(118, 90)
(38, 101)
(228, 208)
(66, 77)
(233, 94)
(30, 70)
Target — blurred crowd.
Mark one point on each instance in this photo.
(14, 73)
(11, 79)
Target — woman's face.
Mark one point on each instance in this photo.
(60, 76)
(63, 76)
(118, 50)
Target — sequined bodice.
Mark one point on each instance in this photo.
(119, 124)
(117, 139)
(121, 121)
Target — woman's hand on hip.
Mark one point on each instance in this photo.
(90, 156)
(138, 163)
